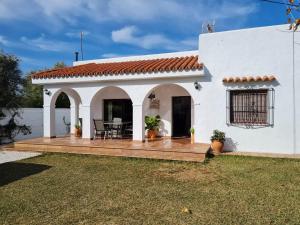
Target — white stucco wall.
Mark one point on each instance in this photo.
(33, 117)
(259, 51)
(164, 94)
(136, 90)
(255, 52)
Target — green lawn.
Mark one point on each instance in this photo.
(82, 189)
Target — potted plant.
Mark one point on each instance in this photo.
(217, 141)
(152, 125)
(192, 131)
(77, 130)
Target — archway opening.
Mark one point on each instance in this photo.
(113, 106)
(62, 101)
(65, 112)
(62, 115)
(175, 107)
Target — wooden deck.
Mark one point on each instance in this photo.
(162, 148)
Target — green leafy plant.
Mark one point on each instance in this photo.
(192, 130)
(77, 126)
(218, 136)
(152, 122)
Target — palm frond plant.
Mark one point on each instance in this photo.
(152, 125)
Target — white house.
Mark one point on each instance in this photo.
(243, 82)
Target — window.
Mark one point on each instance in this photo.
(250, 107)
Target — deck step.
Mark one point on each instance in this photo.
(170, 154)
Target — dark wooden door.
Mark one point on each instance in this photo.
(181, 116)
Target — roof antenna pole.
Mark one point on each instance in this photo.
(81, 37)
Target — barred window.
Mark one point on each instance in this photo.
(250, 107)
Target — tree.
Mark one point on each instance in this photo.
(59, 64)
(10, 97)
(33, 93)
(10, 79)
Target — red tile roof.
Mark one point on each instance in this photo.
(266, 78)
(186, 63)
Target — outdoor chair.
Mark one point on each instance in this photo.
(116, 128)
(128, 130)
(100, 129)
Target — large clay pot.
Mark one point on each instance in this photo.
(151, 134)
(77, 132)
(192, 138)
(217, 147)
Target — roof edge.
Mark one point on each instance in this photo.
(138, 57)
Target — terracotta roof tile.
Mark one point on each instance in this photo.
(186, 63)
(265, 78)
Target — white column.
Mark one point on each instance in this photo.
(49, 121)
(74, 108)
(138, 125)
(87, 127)
(197, 124)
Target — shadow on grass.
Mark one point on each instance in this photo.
(13, 171)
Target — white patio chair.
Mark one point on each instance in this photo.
(116, 127)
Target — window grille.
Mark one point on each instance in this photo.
(250, 107)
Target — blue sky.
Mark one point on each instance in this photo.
(42, 32)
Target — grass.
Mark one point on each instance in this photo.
(82, 189)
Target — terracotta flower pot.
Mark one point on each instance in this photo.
(151, 134)
(192, 138)
(77, 132)
(217, 147)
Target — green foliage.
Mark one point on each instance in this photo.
(62, 101)
(12, 129)
(33, 94)
(192, 130)
(59, 65)
(10, 97)
(152, 122)
(218, 136)
(77, 126)
(10, 79)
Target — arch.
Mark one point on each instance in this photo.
(166, 84)
(111, 102)
(164, 93)
(75, 101)
(73, 96)
(112, 90)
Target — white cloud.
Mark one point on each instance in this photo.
(173, 11)
(3, 40)
(76, 34)
(42, 43)
(111, 55)
(132, 36)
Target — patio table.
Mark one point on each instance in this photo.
(116, 126)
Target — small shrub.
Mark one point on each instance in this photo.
(218, 136)
(152, 122)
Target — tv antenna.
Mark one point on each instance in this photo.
(81, 48)
(208, 26)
